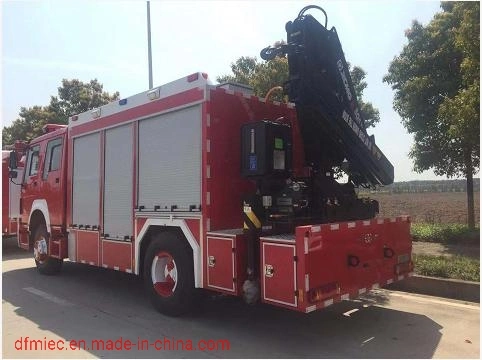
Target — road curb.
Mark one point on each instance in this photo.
(447, 288)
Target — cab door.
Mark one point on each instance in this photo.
(31, 183)
(52, 182)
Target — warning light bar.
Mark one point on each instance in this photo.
(154, 94)
(96, 113)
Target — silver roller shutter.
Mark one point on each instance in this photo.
(14, 203)
(118, 208)
(170, 159)
(86, 178)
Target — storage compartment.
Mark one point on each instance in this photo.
(88, 247)
(278, 266)
(117, 255)
(221, 263)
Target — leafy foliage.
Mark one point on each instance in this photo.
(437, 93)
(263, 76)
(369, 113)
(444, 233)
(436, 82)
(74, 97)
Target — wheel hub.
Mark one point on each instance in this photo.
(164, 274)
(40, 250)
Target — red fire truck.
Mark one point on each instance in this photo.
(193, 185)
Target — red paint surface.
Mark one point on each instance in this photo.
(222, 273)
(280, 287)
(140, 224)
(195, 226)
(88, 243)
(226, 185)
(117, 254)
(328, 251)
(53, 188)
(22, 236)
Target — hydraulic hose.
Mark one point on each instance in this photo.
(302, 12)
(273, 89)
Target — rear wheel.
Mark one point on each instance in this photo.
(46, 264)
(169, 274)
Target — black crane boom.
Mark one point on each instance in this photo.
(331, 123)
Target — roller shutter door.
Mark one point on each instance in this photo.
(86, 178)
(118, 208)
(170, 159)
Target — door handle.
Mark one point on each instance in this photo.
(57, 180)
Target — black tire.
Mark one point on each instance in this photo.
(46, 265)
(171, 289)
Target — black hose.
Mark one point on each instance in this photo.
(302, 12)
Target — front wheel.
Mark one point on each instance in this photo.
(169, 274)
(46, 264)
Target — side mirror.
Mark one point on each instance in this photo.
(12, 164)
(12, 174)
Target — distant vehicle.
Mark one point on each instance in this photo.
(194, 185)
(11, 192)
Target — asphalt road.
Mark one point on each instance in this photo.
(87, 303)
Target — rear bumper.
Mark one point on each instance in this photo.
(320, 265)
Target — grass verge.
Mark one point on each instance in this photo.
(445, 233)
(455, 267)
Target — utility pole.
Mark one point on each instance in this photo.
(149, 52)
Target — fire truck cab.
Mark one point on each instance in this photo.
(43, 197)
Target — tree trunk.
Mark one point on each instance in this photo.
(470, 190)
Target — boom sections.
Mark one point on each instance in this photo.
(329, 115)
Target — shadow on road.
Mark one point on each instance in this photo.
(108, 304)
(11, 251)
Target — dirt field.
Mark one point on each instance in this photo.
(428, 207)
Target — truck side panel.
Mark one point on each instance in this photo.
(225, 185)
(141, 160)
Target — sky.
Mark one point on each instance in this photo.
(44, 42)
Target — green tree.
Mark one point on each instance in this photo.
(437, 93)
(369, 112)
(74, 97)
(263, 76)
